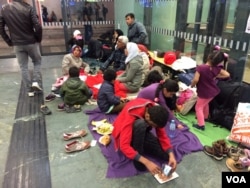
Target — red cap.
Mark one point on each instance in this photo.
(169, 58)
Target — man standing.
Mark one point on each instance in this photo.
(25, 35)
(136, 31)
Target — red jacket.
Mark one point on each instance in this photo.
(123, 126)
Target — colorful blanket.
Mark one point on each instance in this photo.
(93, 82)
(119, 166)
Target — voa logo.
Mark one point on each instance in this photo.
(236, 179)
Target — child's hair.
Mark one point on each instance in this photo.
(153, 76)
(217, 56)
(109, 75)
(170, 85)
(74, 71)
(158, 115)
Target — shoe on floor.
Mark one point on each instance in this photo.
(216, 151)
(50, 97)
(237, 166)
(36, 86)
(61, 107)
(199, 127)
(45, 110)
(77, 107)
(31, 92)
(77, 146)
(77, 134)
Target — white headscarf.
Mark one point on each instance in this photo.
(133, 51)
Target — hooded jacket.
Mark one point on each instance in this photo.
(74, 91)
(22, 23)
(123, 127)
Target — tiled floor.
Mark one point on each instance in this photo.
(88, 168)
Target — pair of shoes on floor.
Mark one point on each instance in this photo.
(215, 151)
(50, 97)
(199, 127)
(76, 145)
(73, 109)
(45, 110)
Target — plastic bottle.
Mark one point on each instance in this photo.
(172, 129)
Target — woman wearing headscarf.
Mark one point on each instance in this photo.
(131, 79)
(74, 59)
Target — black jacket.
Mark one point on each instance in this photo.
(106, 96)
(22, 23)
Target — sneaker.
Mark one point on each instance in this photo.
(199, 127)
(216, 151)
(36, 86)
(54, 88)
(78, 108)
(31, 93)
(61, 107)
(70, 109)
(50, 97)
(45, 110)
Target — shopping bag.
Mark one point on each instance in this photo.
(240, 131)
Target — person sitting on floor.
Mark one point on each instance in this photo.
(106, 99)
(133, 136)
(74, 92)
(117, 57)
(163, 93)
(143, 51)
(74, 59)
(154, 76)
(69, 60)
(76, 39)
(130, 80)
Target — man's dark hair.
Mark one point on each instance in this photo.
(131, 15)
(169, 84)
(74, 72)
(158, 115)
(109, 75)
(153, 77)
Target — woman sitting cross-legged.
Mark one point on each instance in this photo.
(130, 80)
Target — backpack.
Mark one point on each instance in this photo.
(223, 107)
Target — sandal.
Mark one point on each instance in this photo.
(238, 166)
(235, 153)
(77, 134)
(77, 146)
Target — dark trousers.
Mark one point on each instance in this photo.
(146, 143)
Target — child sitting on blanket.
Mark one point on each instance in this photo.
(106, 99)
(74, 91)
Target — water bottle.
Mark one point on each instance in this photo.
(172, 129)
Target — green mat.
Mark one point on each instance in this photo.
(211, 133)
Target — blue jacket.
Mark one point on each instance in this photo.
(106, 96)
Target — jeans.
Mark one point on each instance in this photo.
(145, 142)
(23, 53)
